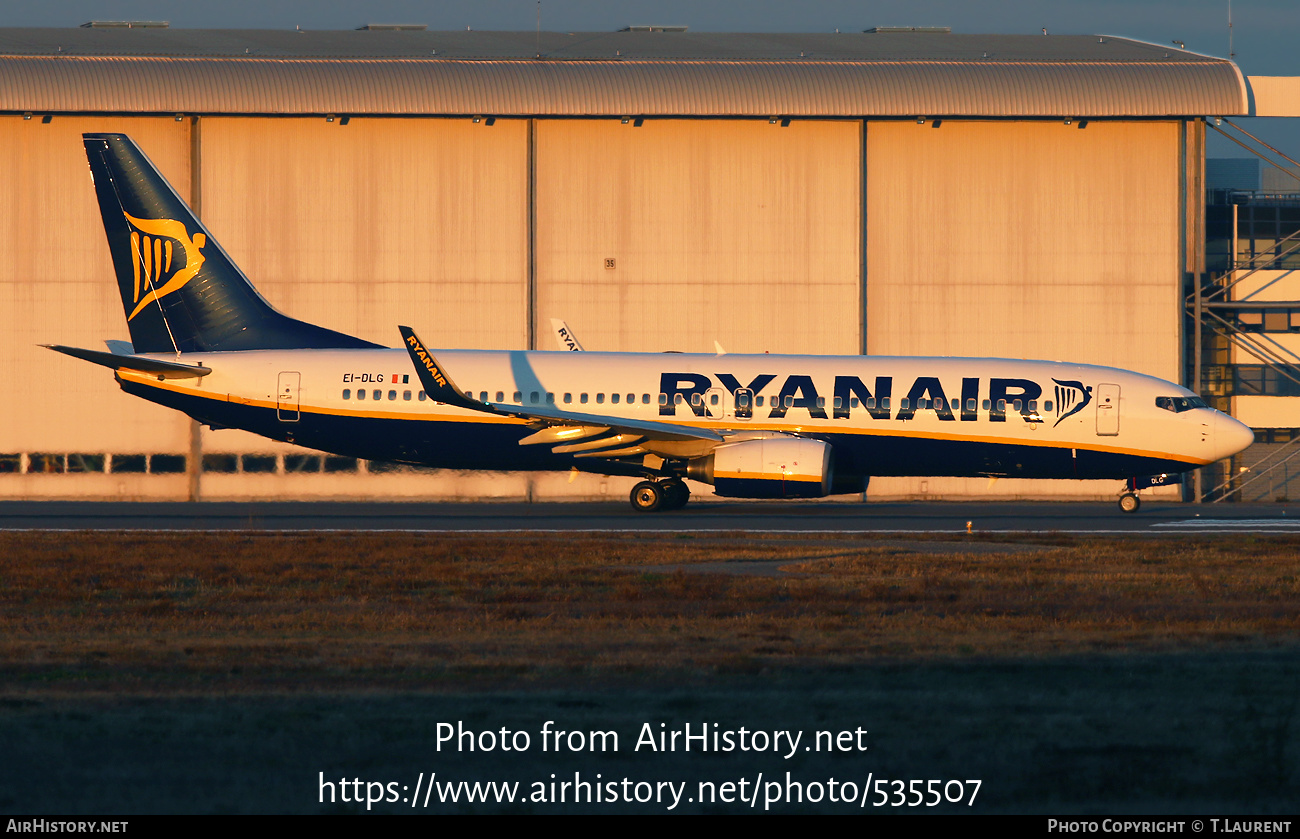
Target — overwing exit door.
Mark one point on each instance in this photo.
(718, 403)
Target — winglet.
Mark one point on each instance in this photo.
(564, 336)
(436, 382)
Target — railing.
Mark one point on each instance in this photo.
(1232, 486)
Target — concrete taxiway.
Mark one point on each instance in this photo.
(750, 517)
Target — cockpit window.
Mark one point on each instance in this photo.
(1178, 404)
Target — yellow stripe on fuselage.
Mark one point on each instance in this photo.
(748, 425)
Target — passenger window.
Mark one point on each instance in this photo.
(534, 397)
(677, 399)
(713, 399)
(423, 396)
(379, 394)
(550, 398)
(1047, 406)
(482, 396)
(613, 398)
(904, 404)
(406, 396)
(853, 401)
(517, 397)
(631, 398)
(347, 393)
(1002, 405)
(695, 399)
(392, 396)
(987, 404)
(1016, 406)
(871, 403)
(956, 403)
(884, 403)
(582, 398)
(501, 396)
(839, 402)
(568, 397)
(970, 404)
(600, 399)
(1033, 406)
(821, 401)
(645, 399)
(922, 404)
(663, 399)
(789, 401)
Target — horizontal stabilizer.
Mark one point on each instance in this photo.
(154, 366)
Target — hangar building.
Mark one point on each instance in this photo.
(883, 192)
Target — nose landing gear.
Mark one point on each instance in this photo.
(649, 496)
(1128, 501)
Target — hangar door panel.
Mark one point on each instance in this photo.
(677, 233)
(357, 226)
(1025, 240)
(57, 286)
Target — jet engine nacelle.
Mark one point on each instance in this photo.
(775, 467)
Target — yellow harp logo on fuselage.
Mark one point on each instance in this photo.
(153, 252)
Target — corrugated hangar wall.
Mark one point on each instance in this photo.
(740, 231)
(1024, 240)
(1015, 239)
(357, 226)
(57, 288)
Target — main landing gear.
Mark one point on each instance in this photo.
(1129, 503)
(649, 496)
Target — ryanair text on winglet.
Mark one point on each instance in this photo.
(428, 362)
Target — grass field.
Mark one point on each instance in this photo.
(144, 673)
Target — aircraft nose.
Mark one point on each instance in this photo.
(1230, 436)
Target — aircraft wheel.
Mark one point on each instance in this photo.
(1129, 503)
(676, 494)
(647, 497)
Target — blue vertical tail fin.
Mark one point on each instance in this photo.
(180, 291)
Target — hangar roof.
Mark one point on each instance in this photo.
(900, 74)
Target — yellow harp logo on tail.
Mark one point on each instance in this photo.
(153, 254)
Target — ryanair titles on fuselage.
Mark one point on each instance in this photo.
(991, 397)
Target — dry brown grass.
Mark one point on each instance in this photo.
(252, 612)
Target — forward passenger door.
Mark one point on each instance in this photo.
(1107, 410)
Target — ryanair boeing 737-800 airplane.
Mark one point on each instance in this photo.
(754, 426)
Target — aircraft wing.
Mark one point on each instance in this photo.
(118, 361)
(580, 434)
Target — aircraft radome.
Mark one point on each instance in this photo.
(754, 426)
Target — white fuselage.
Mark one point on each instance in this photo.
(888, 415)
